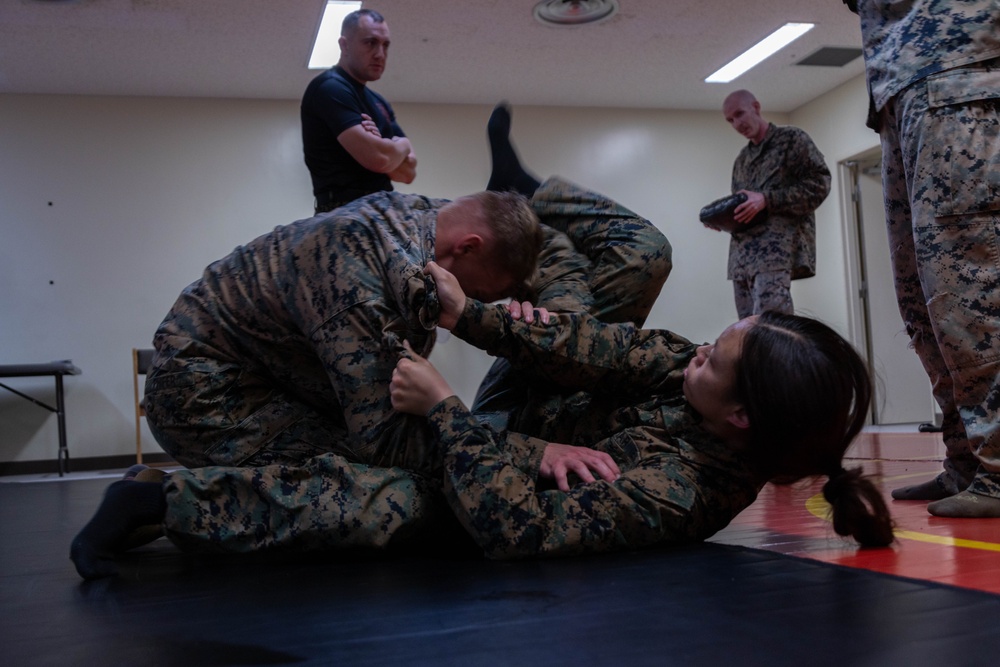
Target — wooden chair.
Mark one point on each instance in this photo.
(141, 359)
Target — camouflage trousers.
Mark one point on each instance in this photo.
(207, 411)
(941, 177)
(290, 496)
(626, 262)
(629, 257)
(769, 290)
(324, 503)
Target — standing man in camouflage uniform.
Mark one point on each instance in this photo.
(933, 70)
(785, 179)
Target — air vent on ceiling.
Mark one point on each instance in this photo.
(830, 56)
(574, 12)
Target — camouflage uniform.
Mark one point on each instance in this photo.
(333, 499)
(934, 76)
(617, 276)
(325, 502)
(624, 262)
(788, 169)
(282, 350)
(678, 483)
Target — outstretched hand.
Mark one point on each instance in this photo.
(450, 293)
(559, 460)
(416, 386)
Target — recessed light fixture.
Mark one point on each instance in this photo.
(763, 49)
(326, 48)
(574, 12)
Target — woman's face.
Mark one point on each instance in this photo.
(710, 378)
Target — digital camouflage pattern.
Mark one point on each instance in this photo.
(940, 160)
(282, 349)
(788, 169)
(768, 290)
(908, 40)
(332, 500)
(623, 396)
(629, 259)
(326, 502)
(617, 276)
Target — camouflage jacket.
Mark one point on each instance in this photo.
(788, 169)
(319, 307)
(908, 40)
(623, 395)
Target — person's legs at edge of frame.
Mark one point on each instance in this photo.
(949, 288)
(959, 465)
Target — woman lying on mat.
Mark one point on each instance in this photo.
(680, 437)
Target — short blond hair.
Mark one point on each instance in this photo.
(516, 232)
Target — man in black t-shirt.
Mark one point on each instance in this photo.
(352, 144)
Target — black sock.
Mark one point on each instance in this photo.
(127, 505)
(508, 174)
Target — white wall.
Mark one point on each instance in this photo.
(110, 206)
(836, 123)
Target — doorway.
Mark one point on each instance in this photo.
(902, 390)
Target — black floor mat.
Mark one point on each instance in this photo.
(706, 605)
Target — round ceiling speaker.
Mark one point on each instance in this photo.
(574, 12)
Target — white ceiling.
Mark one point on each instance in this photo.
(652, 54)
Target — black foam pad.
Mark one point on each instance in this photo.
(719, 214)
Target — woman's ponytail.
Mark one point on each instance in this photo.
(858, 508)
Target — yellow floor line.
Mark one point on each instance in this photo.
(820, 509)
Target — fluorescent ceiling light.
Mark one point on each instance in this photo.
(326, 48)
(766, 47)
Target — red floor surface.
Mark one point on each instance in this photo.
(793, 520)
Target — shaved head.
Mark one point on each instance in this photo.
(742, 111)
(739, 97)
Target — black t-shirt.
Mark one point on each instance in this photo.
(333, 102)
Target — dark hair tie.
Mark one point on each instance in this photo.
(840, 479)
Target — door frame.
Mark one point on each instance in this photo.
(860, 319)
(858, 308)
